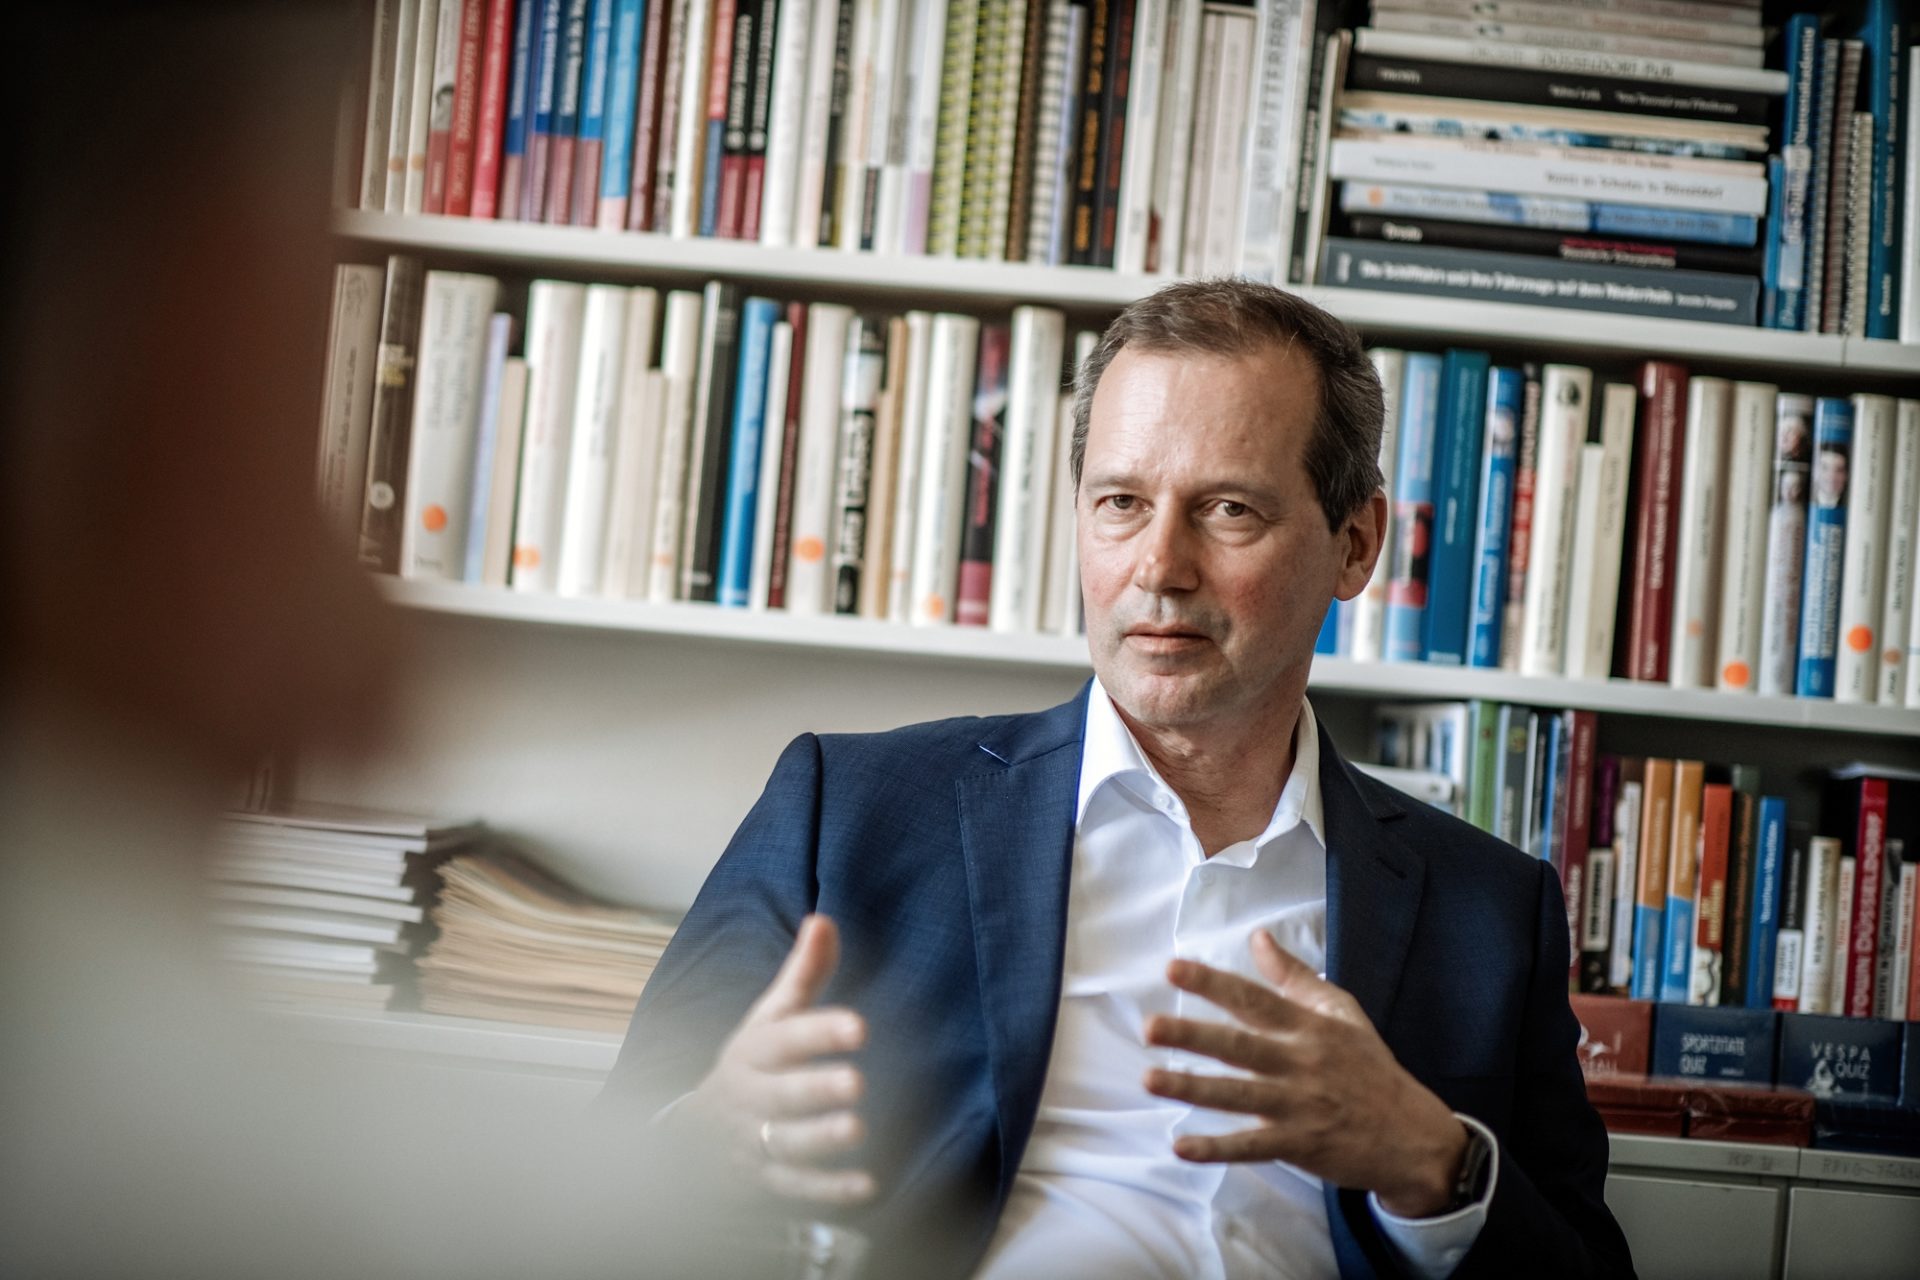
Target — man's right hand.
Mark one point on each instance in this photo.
(778, 1109)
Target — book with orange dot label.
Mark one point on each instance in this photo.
(456, 320)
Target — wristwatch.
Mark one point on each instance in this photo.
(1476, 1163)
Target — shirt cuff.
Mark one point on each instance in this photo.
(1433, 1247)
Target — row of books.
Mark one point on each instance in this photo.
(1144, 135)
(1629, 160)
(701, 446)
(1684, 883)
(1683, 529)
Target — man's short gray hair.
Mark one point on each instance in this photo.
(1231, 317)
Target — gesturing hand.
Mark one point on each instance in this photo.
(1329, 1096)
(778, 1110)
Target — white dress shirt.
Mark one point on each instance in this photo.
(1099, 1191)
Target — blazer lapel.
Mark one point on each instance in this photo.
(1016, 828)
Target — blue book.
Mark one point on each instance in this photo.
(1793, 187)
(499, 333)
(1883, 68)
(1763, 917)
(513, 142)
(543, 74)
(1550, 786)
(1826, 546)
(1649, 955)
(1506, 394)
(1328, 641)
(1413, 509)
(623, 85)
(1558, 213)
(1456, 501)
(757, 319)
(566, 104)
(593, 112)
(1676, 967)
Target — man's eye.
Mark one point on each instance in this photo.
(1234, 510)
(1120, 501)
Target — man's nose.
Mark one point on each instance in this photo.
(1166, 555)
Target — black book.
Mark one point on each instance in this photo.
(1485, 83)
(1113, 131)
(1568, 246)
(866, 363)
(711, 442)
(733, 135)
(830, 210)
(1742, 847)
(1790, 939)
(1086, 151)
(390, 436)
(759, 111)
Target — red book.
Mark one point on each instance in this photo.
(789, 458)
(1655, 504)
(1520, 534)
(1710, 903)
(983, 477)
(733, 137)
(1573, 872)
(1867, 799)
(646, 122)
(491, 113)
(466, 101)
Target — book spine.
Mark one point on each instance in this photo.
(497, 542)
(447, 36)
(876, 574)
(680, 365)
(1506, 389)
(725, 37)
(1173, 137)
(864, 365)
(1899, 969)
(1086, 165)
(1591, 466)
(757, 320)
(1736, 910)
(1511, 783)
(1566, 405)
(636, 455)
(1802, 42)
(812, 165)
(1407, 597)
(590, 138)
(1601, 589)
(1909, 263)
(707, 458)
(1864, 563)
(983, 97)
(1840, 189)
(729, 220)
(1709, 933)
(1272, 154)
(1114, 139)
(1674, 75)
(1189, 249)
(1310, 224)
(1683, 881)
(950, 138)
(1882, 39)
(1227, 156)
(1026, 468)
(458, 201)
(1697, 546)
(1714, 23)
(1596, 916)
(834, 145)
(1816, 963)
(1026, 142)
(1786, 544)
(588, 488)
(852, 220)
(400, 119)
(543, 71)
(1663, 390)
(1368, 610)
(691, 107)
(503, 89)
(394, 387)
(973, 604)
(382, 92)
(1520, 540)
(556, 314)
(1500, 209)
(456, 311)
(615, 188)
(936, 547)
(1650, 898)
(907, 481)
(1869, 851)
(773, 462)
(1855, 265)
(1903, 555)
(1825, 548)
(1576, 867)
(759, 117)
(1827, 88)
(929, 42)
(791, 416)
(1536, 87)
(1559, 37)
(1463, 411)
(784, 122)
(1840, 962)
(1626, 874)
(809, 582)
(1766, 898)
(1743, 584)
(564, 150)
(996, 216)
(1568, 246)
(346, 411)
(649, 112)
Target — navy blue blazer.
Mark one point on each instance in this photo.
(942, 851)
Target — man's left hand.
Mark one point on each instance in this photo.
(1327, 1093)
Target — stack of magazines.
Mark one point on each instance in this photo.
(513, 943)
(325, 905)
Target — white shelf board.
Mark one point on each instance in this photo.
(920, 281)
(969, 644)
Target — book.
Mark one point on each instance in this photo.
(568, 106)
(1566, 400)
(1743, 580)
(501, 87)
(1017, 89)
(680, 198)
(438, 104)
(680, 345)
(1765, 900)
(1654, 499)
(975, 582)
(636, 452)
(1520, 538)
(1683, 881)
(1793, 934)
(727, 150)
(462, 125)
(759, 117)
(1826, 82)
(1368, 610)
(877, 571)
(1038, 341)
(1743, 866)
(1864, 809)
(1135, 162)
(382, 512)
(543, 71)
(1456, 473)
(1554, 36)
(907, 480)
(650, 129)
(862, 371)
(1505, 394)
(1786, 544)
(776, 470)
(1598, 534)
(1597, 905)
(1225, 208)
(1825, 547)
(486, 439)
(382, 90)
(1787, 289)
(556, 314)
(1515, 277)
(748, 429)
(1650, 898)
(1822, 919)
(1718, 21)
(1697, 555)
(1573, 805)
(608, 199)
(1567, 246)
(500, 197)
(1838, 158)
(1626, 872)
(785, 121)
(1114, 140)
(588, 487)
(809, 586)
(346, 409)
(943, 455)
(1513, 784)
(1550, 213)
(1864, 561)
(1708, 959)
(709, 442)
(1903, 555)
(497, 546)
(1407, 589)
(400, 119)
(456, 313)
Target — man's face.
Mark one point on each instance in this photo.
(1829, 477)
(1205, 559)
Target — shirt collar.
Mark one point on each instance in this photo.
(1109, 753)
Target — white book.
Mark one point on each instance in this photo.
(1367, 112)
(636, 452)
(1338, 47)
(1232, 109)
(400, 119)
(1903, 555)
(446, 71)
(815, 163)
(1133, 224)
(1489, 52)
(927, 49)
(312, 953)
(1546, 169)
(690, 128)
(1863, 569)
(1007, 118)
(590, 465)
(1696, 557)
(786, 122)
(555, 313)
(346, 408)
(1566, 394)
(1670, 19)
(1743, 577)
(318, 924)
(387, 16)
(816, 472)
(456, 311)
(1786, 544)
(297, 875)
(943, 468)
(503, 479)
(1061, 608)
(1903, 905)
(1173, 136)
(772, 443)
(1594, 598)
(679, 364)
(1910, 212)
(426, 46)
(1192, 243)
(883, 474)
(1369, 608)
(1561, 37)
(1049, 127)
(1279, 95)
(906, 482)
(1840, 960)
(1819, 922)
(848, 170)
(486, 442)
(1038, 345)
(892, 117)
(1626, 882)
(317, 900)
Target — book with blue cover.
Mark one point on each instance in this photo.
(1883, 68)
(623, 86)
(543, 76)
(1499, 446)
(590, 144)
(1787, 233)
(1413, 509)
(1763, 917)
(513, 137)
(1826, 547)
(757, 318)
(486, 437)
(1456, 503)
(1557, 213)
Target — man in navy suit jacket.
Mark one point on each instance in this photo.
(861, 1007)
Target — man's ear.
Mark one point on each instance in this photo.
(1364, 533)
